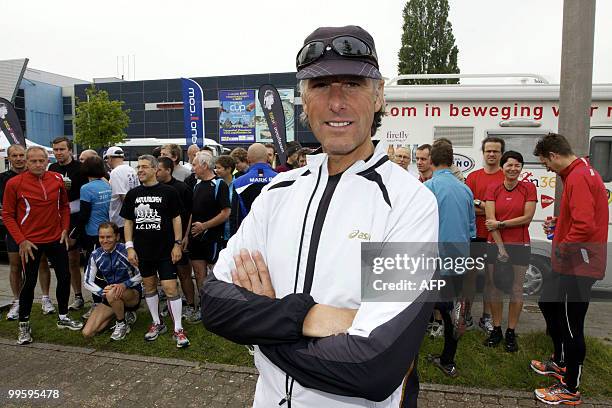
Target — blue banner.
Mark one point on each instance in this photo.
(193, 112)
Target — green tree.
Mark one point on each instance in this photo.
(99, 121)
(428, 44)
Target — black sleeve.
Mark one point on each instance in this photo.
(174, 203)
(246, 318)
(187, 199)
(355, 366)
(84, 214)
(3, 180)
(127, 208)
(223, 195)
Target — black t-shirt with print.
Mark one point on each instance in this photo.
(206, 206)
(152, 209)
(73, 171)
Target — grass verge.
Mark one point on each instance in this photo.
(478, 366)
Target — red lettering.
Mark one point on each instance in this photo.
(394, 111)
(465, 111)
(409, 111)
(593, 109)
(480, 110)
(555, 110)
(609, 111)
(436, 111)
(454, 111)
(494, 111)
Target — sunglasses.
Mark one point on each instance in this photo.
(345, 45)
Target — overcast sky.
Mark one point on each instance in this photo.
(207, 38)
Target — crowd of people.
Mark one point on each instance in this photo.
(288, 281)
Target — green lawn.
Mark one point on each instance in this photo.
(477, 365)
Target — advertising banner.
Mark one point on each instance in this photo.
(193, 112)
(237, 116)
(10, 128)
(273, 112)
(262, 132)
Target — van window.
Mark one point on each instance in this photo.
(524, 143)
(600, 156)
(460, 136)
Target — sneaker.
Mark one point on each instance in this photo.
(69, 323)
(510, 343)
(121, 330)
(486, 324)
(250, 348)
(77, 304)
(458, 318)
(88, 314)
(495, 337)
(448, 369)
(195, 317)
(469, 323)
(154, 331)
(130, 318)
(437, 329)
(548, 368)
(47, 306)
(558, 394)
(25, 333)
(188, 311)
(181, 339)
(13, 313)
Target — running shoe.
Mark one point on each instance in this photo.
(469, 323)
(181, 338)
(495, 337)
(188, 311)
(510, 343)
(250, 348)
(68, 323)
(47, 306)
(558, 394)
(90, 311)
(121, 330)
(437, 330)
(458, 318)
(448, 369)
(154, 331)
(195, 317)
(486, 324)
(548, 368)
(25, 333)
(77, 304)
(13, 313)
(130, 318)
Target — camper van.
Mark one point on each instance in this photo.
(137, 147)
(519, 113)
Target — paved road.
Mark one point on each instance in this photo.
(87, 378)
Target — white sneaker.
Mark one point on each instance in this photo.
(77, 304)
(13, 313)
(121, 330)
(47, 306)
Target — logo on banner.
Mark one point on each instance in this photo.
(193, 112)
(463, 162)
(546, 200)
(397, 137)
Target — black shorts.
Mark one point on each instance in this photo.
(520, 255)
(127, 308)
(11, 245)
(478, 248)
(165, 269)
(184, 259)
(204, 251)
(74, 222)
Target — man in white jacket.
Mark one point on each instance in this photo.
(290, 279)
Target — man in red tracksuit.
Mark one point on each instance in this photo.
(37, 215)
(578, 260)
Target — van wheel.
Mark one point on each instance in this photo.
(539, 267)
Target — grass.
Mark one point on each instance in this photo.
(478, 366)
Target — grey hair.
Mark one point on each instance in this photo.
(204, 157)
(39, 148)
(13, 146)
(376, 123)
(149, 158)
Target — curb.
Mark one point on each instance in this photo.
(441, 388)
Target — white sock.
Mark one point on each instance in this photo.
(153, 304)
(45, 297)
(176, 309)
(16, 301)
(63, 317)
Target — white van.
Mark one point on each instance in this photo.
(518, 113)
(139, 146)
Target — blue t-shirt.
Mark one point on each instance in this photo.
(98, 193)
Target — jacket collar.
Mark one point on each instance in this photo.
(579, 162)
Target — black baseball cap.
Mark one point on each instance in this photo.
(347, 50)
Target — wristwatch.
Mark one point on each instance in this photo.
(477, 203)
(178, 242)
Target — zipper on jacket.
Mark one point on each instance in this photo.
(43, 188)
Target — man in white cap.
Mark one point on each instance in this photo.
(123, 178)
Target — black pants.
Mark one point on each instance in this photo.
(58, 256)
(450, 342)
(564, 303)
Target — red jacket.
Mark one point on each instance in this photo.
(36, 209)
(581, 232)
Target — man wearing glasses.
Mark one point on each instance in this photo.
(289, 280)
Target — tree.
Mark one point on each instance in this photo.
(428, 44)
(99, 121)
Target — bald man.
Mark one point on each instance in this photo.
(86, 154)
(249, 185)
(191, 153)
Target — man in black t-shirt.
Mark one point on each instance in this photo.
(152, 213)
(211, 208)
(74, 179)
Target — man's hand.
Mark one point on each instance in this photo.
(325, 320)
(65, 240)
(118, 290)
(252, 274)
(491, 225)
(133, 257)
(197, 228)
(177, 253)
(25, 251)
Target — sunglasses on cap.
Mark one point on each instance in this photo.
(344, 45)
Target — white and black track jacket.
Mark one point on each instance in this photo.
(305, 227)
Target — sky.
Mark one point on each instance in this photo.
(188, 38)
